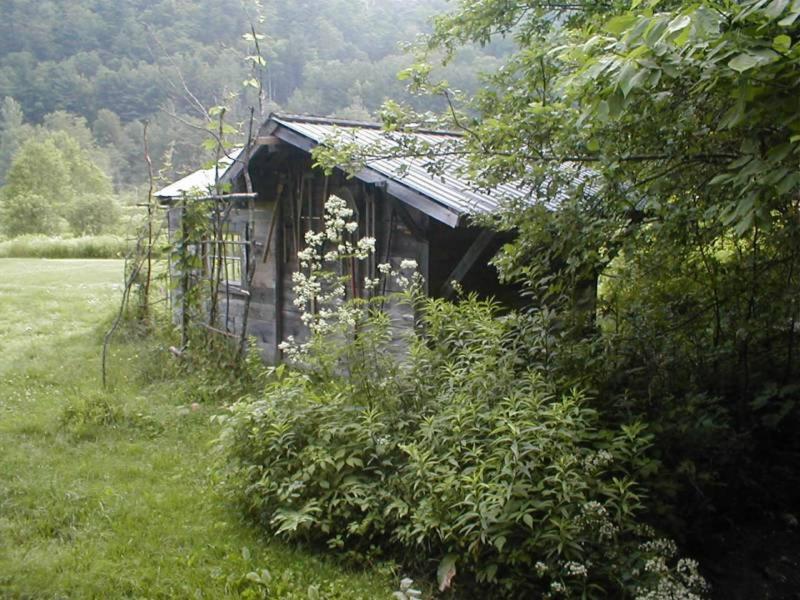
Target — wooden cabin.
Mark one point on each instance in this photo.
(411, 213)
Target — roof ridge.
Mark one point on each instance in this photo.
(317, 120)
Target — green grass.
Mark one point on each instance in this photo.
(111, 494)
(41, 246)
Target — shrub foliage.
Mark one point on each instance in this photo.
(468, 456)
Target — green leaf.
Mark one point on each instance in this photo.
(405, 74)
(216, 111)
(679, 23)
(789, 20)
(776, 8)
(603, 111)
(527, 519)
(615, 103)
(734, 115)
(619, 24)
(626, 78)
(721, 178)
(743, 62)
(782, 43)
(446, 571)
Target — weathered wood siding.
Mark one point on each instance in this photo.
(291, 199)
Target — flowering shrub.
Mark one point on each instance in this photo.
(314, 283)
(462, 452)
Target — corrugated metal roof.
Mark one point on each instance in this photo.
(199, 181)
(449, 187)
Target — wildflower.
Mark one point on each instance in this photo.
(557, 586)
(575, 569)
(366, 244)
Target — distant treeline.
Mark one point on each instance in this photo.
(108, 65)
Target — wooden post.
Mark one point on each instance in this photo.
(279, 272)
(184, 277)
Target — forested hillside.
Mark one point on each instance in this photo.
(110, 64)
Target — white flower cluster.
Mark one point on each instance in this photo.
(290, 348)
(557, 587)
(405, 276)
(319, 289)
(671, 589)
(662, 547)
(595, 516)
(575, 569)
(598, 460)
(684, 582)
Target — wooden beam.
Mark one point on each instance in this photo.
(268, 140)
(171, 199)
(409, 222)
(295, 139)
(423, 203)
(370, 176)
(467, 261)
(219, 331)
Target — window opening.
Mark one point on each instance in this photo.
(231, 249)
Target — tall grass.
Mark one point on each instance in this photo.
(40, 246)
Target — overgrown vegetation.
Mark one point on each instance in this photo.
(665, 139)
(464, 448)
(516, 453)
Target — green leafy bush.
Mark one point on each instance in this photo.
(467, 455)
(27, 213)
(92, 214)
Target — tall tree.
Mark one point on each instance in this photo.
(13, 132)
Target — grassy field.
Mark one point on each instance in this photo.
(110, 495)
(41, 246)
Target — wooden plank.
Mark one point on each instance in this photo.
(467, 261)
(279, 287)
(273, 220)
(424, 265)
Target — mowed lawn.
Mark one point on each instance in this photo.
(112, 494)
